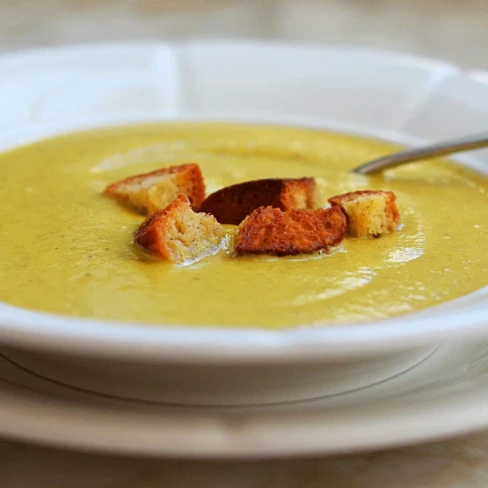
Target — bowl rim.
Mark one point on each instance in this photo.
(91, 337)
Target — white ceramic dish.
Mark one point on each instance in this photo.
(384, 95)
(443, 396)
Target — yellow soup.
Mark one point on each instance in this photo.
(67, 249)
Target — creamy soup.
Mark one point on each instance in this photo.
(66, 248)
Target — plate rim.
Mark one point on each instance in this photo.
(269, 433)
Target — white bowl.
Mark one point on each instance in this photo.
(386, 95)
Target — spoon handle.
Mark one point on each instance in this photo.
(467, 143)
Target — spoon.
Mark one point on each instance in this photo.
(466, 143)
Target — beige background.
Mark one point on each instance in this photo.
(455, 30)
(452, 29)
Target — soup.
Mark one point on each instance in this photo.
(66, 248)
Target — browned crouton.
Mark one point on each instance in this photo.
(149, 192)
(271, 231)
(178, 234)
(231, 205)
(369, 213)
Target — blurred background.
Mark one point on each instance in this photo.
(455, 30)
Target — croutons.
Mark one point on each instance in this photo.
(149, 192)
(178, 234)
(369, 213)
(231, 205)
(269, 230)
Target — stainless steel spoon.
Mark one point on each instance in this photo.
(466, 143)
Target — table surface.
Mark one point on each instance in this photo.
(454, 30)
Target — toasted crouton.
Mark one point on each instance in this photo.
(369, 213)
(271, 231)
(149, 192)
(178, 234)
(231, 205)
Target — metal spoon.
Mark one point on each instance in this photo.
(466, 143)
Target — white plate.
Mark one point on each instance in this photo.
(446, 394)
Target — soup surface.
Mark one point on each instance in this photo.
(66, 249)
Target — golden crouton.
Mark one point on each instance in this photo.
(369, 213)
(149, 192)
(178, 234)
(271, 231)
(231, 205)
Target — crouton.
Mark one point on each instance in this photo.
(271, 231)
(231, 205)
(369, 213)
(149, 192)
(178, 234)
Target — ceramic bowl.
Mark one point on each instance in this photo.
(384, 95)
